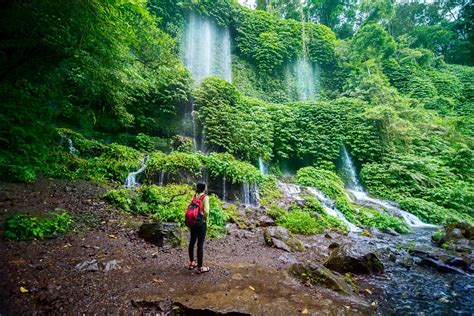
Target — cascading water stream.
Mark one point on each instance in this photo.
(358, 195)
(294, 191)
(329, 207)
(131, 181)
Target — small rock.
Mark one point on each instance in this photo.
(390, 231)
(438, 265)
(457, 262)
(237, 276)
(287, 258)
(277, 243)
(112, 265)
(333, 245)
(88, 265)
(265, 221)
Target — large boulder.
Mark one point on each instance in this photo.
(316, 274)
(458, 237)
(279, 237)
(160, 233)
(354, 259)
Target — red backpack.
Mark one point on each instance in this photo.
(195, 212)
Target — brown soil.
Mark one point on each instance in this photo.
(246, 276)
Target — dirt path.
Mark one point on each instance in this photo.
(245, 277)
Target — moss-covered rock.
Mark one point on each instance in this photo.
(317, 274)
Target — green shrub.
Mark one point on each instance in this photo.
(182, 143)
(121, 198)
(374, 218)
(144, 143)
(432, 213)
(300, 222)
(225, 165)
(275, 211)
(25, 227)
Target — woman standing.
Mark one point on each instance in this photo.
(198, 227)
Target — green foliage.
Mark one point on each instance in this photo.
(121, 198)
(225, 165)
(300, 222)
(168, 204)
(193, 164)
(314, 207)
(25, 227)
(231, 122)
(430, 212)
(373, 42)
(321, 43)
(275, 211)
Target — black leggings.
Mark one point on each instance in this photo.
(198, 233)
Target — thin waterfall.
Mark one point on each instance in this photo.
(254, 195)
(161, 178)
(72, 149)
(358, 195)
(349, 171)
(224, 193)
(131, 181)
(245, 192)
(261, 166)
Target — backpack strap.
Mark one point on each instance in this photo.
(202, 197)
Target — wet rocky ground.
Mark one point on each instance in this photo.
(103, 266)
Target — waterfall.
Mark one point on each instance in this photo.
(329, 207)
(206, 49)
(358, 195)
(307, 83)
(224, 193)
(130, 181)
(261, 166)
(250, 195)
(205, 52)
(161, 178)
(245, 194)
(72, 150)
(349, 171)
(254, 195)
